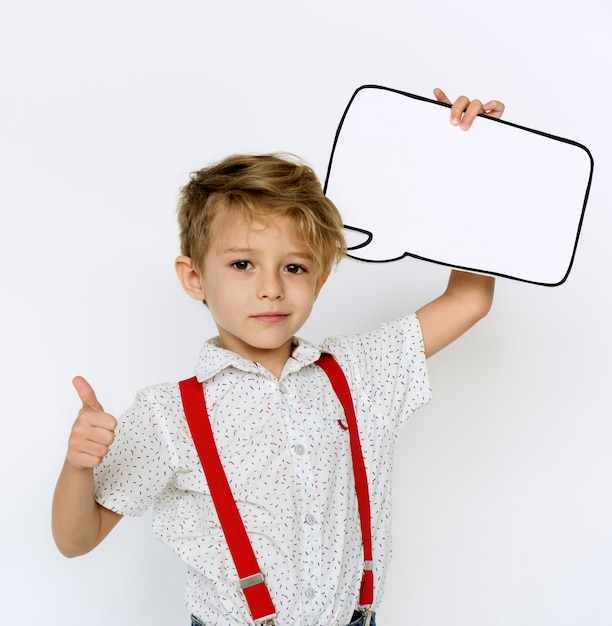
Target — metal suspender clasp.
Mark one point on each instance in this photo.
(367, 613)
(366, 609)
(251, 581)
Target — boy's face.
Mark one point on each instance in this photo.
(260, 283)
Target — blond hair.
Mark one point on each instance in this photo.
(263, 187)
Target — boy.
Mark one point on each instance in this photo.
(259, 239)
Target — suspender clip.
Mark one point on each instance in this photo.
(366, 612)
(251, 581)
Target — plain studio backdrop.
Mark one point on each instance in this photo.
(503, 513)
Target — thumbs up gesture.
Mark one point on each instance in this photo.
(93, 431)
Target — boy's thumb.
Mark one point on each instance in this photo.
(86, 393)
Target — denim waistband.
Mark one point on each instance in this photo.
(356, 620)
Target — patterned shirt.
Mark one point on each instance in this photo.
(284, 446)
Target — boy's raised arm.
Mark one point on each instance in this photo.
(79, 523)
(468, 297)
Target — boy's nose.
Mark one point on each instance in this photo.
(271, 287)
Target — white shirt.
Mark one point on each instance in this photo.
(288, 462)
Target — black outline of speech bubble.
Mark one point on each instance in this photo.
(369, 235)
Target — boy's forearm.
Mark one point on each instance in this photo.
(472, 293)
(467, 299)
(77, 520)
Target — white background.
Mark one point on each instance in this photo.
(503, 512)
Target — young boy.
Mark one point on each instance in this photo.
(259, 240)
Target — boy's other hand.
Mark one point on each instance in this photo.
(464, 110)
(93, 431)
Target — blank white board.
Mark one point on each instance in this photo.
(500, 199)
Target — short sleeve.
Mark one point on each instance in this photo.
(387, 368)
(141, 460)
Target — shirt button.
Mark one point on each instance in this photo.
(310, 593)
(310, 519)
(282, 387)
(300, 449)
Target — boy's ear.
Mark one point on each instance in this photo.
(190, 278)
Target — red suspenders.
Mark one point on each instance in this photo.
(251, 578)
(339, 383)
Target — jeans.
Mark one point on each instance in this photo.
(356, 620)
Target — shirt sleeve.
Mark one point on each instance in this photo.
(141, 460)
(386, 368)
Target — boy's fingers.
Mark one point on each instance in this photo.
(441, 96)
(464, 110)
(91, 437)
(93, 431)
(87, 394)
(469, 115)
(458, 108)
(87, 454)
(494, 108)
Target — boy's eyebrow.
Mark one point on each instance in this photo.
(235, 250)
(296, 253)
(301, 255)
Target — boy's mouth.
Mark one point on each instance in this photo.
(271, 318)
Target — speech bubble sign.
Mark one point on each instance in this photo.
(500, 199)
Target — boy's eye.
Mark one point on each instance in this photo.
(295, 269)
(242, 265)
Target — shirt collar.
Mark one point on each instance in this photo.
(212, 359)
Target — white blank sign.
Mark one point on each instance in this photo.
(500, 199)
